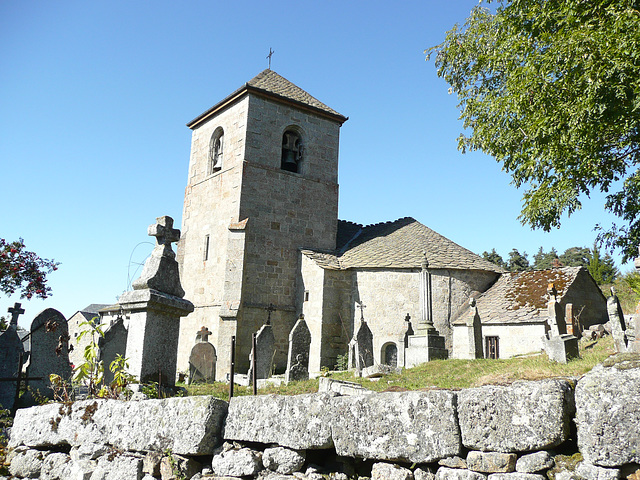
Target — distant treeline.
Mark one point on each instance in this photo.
(601, 267)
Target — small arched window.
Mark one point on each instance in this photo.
(216, 146)
(291, 151)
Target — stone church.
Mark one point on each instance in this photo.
(261, 239)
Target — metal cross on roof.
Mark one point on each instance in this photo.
(269, 309)
(15, 312)
(164, 232)
(407, 318)
(362, 306)
(271, 52)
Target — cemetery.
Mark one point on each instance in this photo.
(344, 431)
(278, 290)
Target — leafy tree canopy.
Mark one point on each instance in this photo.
(602, 269)
(544, 260)
(24, 271)
(575, 257)
(551, 89)
(494, 257)
(518, 262)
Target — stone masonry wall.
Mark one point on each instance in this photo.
(212, 203)
(286, 211)
(390, 295)
(494, 432)
(585, 297)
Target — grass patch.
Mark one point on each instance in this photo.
(451, 374)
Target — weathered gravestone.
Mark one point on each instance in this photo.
(560, 346)
(618, 325)
(154, 308)
(361, 348)
(49, 340)
(474, 331)
(298, 359)
(265, 351)
(203, 358)
(10, 350)
(113, 343)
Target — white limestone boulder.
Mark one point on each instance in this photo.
(419, 426)
(187, 426)
(283, 460)
(608, 412)
(389, 471)
(236, 463)
(517, 476)
(446, 473)
(25, 462)
(534, 462)
(592, 472)
(299, 422)
(521, 417)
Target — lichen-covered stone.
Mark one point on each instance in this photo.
(491, 462)
(187, 426)
(283, 460)
(299, 422)
(118, 467)
(56, 466)
(608, 414)
(423, 474)
(418, 426)
(25, 463)
(388, 471)
(534, 462)
(446, 473)
(516, 476)
(521, 417)
(592, 472)
(236, 463)
(453, 462)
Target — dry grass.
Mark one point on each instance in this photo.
(449, 374)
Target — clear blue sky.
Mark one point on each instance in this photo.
(94, 97)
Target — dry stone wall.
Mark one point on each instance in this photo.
(493, 432)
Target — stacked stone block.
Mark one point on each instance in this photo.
(491, 432)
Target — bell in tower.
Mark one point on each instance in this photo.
(291, 151)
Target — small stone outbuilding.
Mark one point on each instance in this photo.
(513, 312)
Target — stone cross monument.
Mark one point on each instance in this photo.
(155, 306)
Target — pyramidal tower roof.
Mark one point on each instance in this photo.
(269, 84)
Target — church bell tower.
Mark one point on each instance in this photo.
(262, 184)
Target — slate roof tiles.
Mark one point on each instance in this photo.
(398, 244)
(271, 84)
(520, 297)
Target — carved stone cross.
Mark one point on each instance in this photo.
(362, 306)
(269, 309)
(164, 232)
(15, 312)
(203, 334)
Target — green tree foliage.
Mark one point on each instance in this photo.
(575, 257)
(628, 290)
(518, 262)
(551, 89)
(494, 257)
(602, 269)
(544, 260)
(24, 271)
